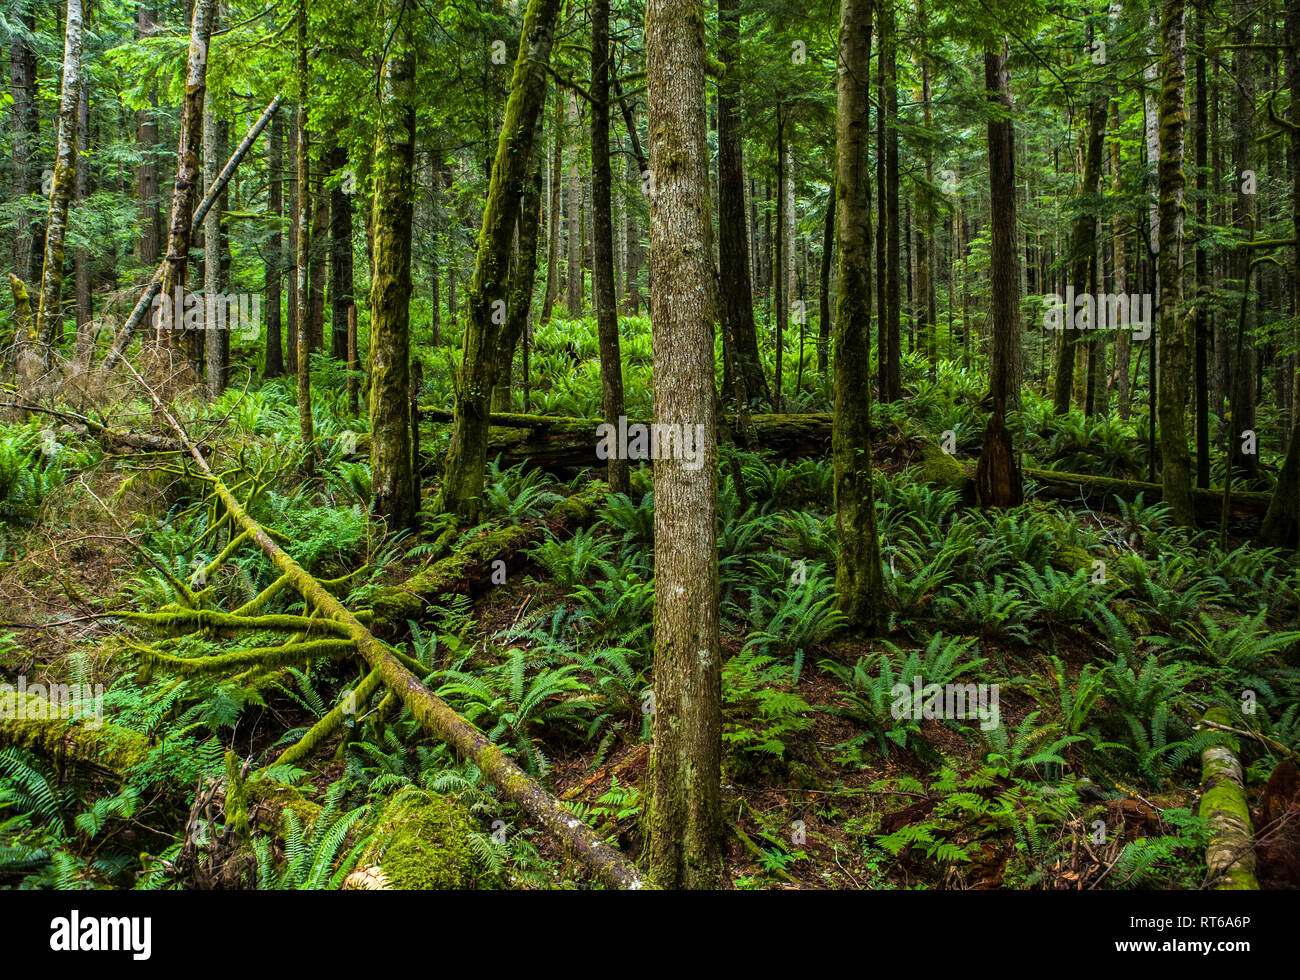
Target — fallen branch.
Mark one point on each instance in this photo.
(434, 714)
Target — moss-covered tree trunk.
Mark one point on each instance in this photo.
(1176, 463)
(302, 294)
(824, 291)
(185, 191)
(1282, 522)
(603, 293)
(684, 814)
(997, 476)
(1241, 392)
(1122, 341)
(390, 292)
(49, 309)
(462, 486)
(1202, 286)
(858, 577)
(780, 277)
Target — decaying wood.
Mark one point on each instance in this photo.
(1230, 854)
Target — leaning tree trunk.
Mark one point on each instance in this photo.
(49, 310)
(602, 236)
(684, 816)
(462, 486)
(997, 477)
(858, 578)
(1176, 468)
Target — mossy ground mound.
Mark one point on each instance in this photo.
(422, 842)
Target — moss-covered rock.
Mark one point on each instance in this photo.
(422, 842)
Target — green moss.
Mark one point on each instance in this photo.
(422, 842)
(939, 468)
(1224, 808)
(37, 726)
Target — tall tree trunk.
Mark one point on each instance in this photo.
(1083, 246)
(780, 276)
(26, 122)
(824, 291)
(555, 181)
(890, 356)
(1242, 394)
(390, 291)
(320, 233)
(573, 212)
(1283, 518)
(168, 337)
(49, 311)
(1175, 470)
(1122, 339)
(146, 175)
(602, 273)
(736, 299)
(275, 248)
(859, 582)
(341, 278)
(306, 425)
(997, 476)
(215, 332)
(85, 305)
(462, 487)
(1202, 287)
(685, 808)
(291, 260)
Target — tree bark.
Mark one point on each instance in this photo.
(390, 292)
(341, 274)
(858, 577)
(602, 273)
(684, 815)
(146, 175)
(306, 425)
(997, 477)
(1175, 471)
(25, 127)
(573, 213)
(736, 299)
(168, 333)
(275, 247)
(49, 310)
(462, 486)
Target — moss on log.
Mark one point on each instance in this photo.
(30, 722)
(1230, 855)
(1100, 491)
(422, 843)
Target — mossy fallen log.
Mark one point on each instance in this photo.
(422, 843)
(554, 442)
(468, 570)
(1230, 855)
(30, 722)
(1100, 492)
(429, 710)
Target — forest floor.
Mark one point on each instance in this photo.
(1101, 637)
